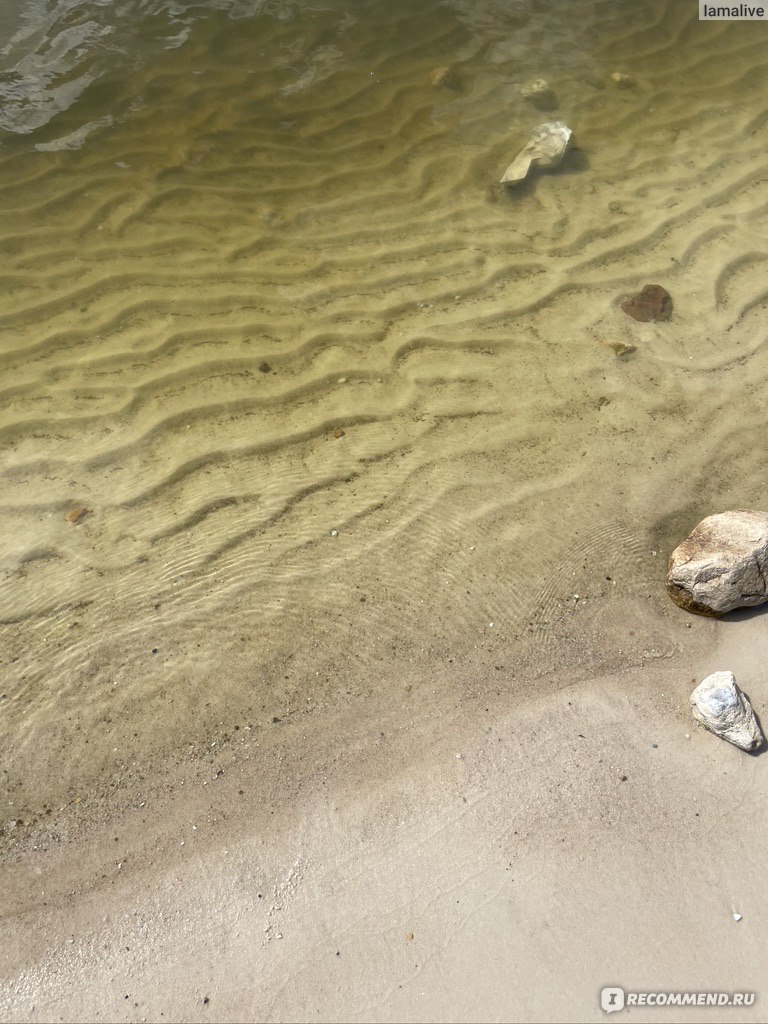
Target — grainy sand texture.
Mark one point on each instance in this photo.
(337, 676)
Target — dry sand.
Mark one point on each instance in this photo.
(356, 693)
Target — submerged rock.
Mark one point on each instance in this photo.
(539, 92)
(445, 78)
(544, 150)
(720, 706)
(649, 305)
(621, 80)
(722, 564)
(621, 348)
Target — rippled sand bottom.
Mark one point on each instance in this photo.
(335, 528)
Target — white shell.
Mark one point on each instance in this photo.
(720, 706)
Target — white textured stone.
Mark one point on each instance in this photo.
(720, 706)
(545, 149)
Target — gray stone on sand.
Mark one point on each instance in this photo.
(722, 565)
(720, 706)
(544, 149)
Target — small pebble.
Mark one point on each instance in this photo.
(620, 348)
(445, 78)
(621, 80)
(737, 917)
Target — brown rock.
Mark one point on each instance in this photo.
(722, 564)
(651, 304)
(77, 514)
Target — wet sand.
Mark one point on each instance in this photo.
(368, 488)
(450, 860)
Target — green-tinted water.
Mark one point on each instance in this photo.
(267, 316)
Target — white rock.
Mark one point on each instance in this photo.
(722, 564)
(720, 706)
(545, 149)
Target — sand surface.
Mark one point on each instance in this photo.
(334, 528)
(450, 861)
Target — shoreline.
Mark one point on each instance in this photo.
(340, 680)
(516, 844)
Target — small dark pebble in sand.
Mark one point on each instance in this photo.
(275, 719)
(265, 367)
(624, 778)
(154, 650)
(649, 305)
(77, 514)
(206, 1001)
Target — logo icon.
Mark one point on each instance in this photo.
(612, 999)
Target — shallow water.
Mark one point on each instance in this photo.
(321, 384)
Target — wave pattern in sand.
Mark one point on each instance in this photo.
(272, 323)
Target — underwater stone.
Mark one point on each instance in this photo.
(539, 93)
(720, 706)
(722, 564)
(544, 150)
(649, 305)
(445, 78)
(621, 80)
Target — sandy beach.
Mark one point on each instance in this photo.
(339, 679)
(450, 860)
